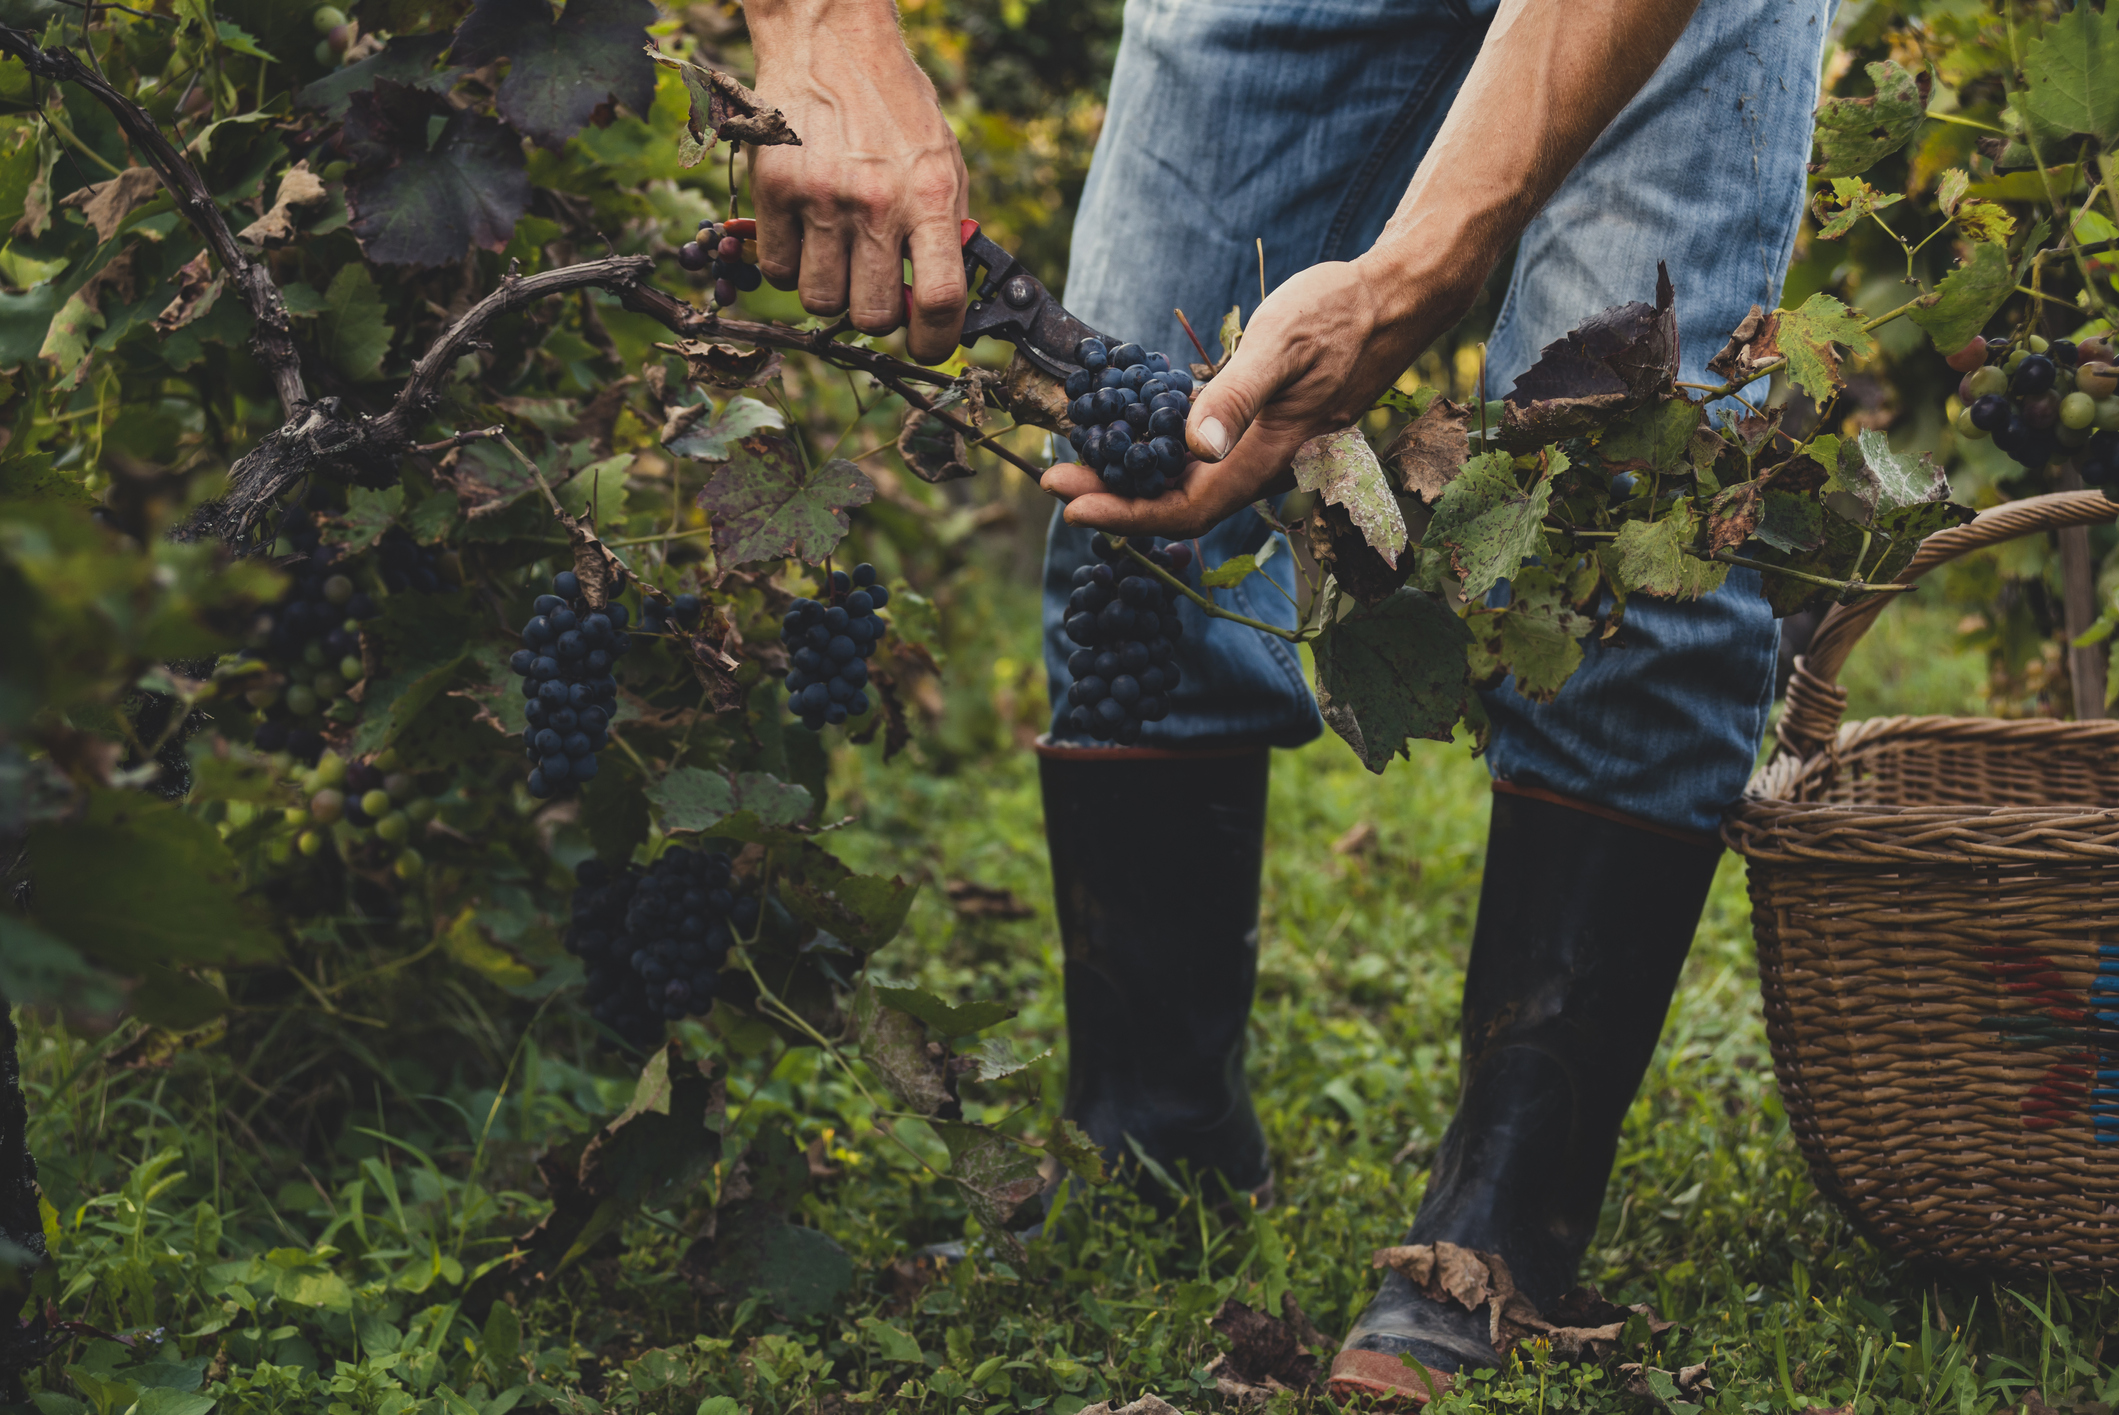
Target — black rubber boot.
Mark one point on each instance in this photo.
(1155, 864)
(1584, 923)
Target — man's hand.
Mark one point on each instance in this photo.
(1316, 356)
(877, 178)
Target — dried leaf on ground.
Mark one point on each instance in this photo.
(1264, 1351)
(1146, 1405)
(1582, 1326)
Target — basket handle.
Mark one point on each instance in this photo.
(1816, 701)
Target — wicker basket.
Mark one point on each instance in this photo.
(1936, 901)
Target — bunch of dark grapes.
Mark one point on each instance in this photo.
(312, 636)
(1129, 414)
(565, 662)
(730, 250)
(654, 941)
(2041, 400)
(1126, 622)
(408, 565)
(683, 611)
(829, 642)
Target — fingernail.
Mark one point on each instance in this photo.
(1212, 440)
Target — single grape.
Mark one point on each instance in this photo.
(1970, 357)
(2033, 376)
(2078, 410)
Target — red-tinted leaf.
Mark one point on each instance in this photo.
(425, 206)
(767, 505)
(561, 73)
(1617, 361)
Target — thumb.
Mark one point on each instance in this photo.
(1230, 400)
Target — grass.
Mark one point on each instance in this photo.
(317, 1258)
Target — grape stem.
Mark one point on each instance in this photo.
(1728, 557)
(1725, 390)
(1206, 605)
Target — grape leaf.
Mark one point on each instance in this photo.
(561, 71)
(1649, 558)
(352, 331)
(368, 514)
(1536, 639)
(1855, 199)
(422, 205)
(1233, 571)
(2073, 73)
(1392, 672)
(1791, 523)
(947, 1019)
(1854, 134)
(895, 1047)
(407, 59)
(1883, 481)
(1428, 453)
(767, 505)
(993, 1059)
(1488, 523)
(1652, 439)
(722, 108)
(1072, 1147)
(1807, 335)
(1961, 305)
(1985, 220)
(799, 1272)
(684, 436)
(1342, 468)
(695, 800)
(182, 901)
(1618, 360)
(997, 1175)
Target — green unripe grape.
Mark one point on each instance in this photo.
(409, 864)
(394, 827)
(336, 171)
(2071, 437)
(295, 815)
(1966, 428)
(279, 850)
(2078, 410)
(1988, 380)
(2037, 344)
(310, 843)
(338, 589)
(327, 18)
(386, 759)
(327, 805)
(328, 685)
(349, 668)
(262, 698)
(2016, 357)
(282, 761)
(2108, 411)
(376, 803)
(351, 626)
(325, 54)
(301, 700)
(420, 809)
(331, 769)
(399, 785)
(313, 655)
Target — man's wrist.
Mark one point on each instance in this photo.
(1427, 268)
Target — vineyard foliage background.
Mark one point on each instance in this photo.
(319, 1114)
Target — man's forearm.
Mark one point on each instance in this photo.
(1549, 80)
(779, 25)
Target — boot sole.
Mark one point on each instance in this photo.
(1384, 1377)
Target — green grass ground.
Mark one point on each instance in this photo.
(326, 1270)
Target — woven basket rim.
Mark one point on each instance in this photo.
(1771, 824)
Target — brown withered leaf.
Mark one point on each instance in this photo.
(106, 204)
(722, 109)
(1753, 343)
(1426, 457)
(300, 187)
(933, 450)
(601, 572)
(197, 288)
(1622, 359)
(1448, 1272)
(1733, 515)
(715, 650)
(1337, 544)
(726, 365)
(1755, 430)
(1581, 1325)
(979, 901)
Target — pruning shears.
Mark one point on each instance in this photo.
(1008, 302)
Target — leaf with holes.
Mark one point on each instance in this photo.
(1855, 199)
(767, 505)
(421, 205)
(1808, 335)
(1853, 134)
(1536, 639)
(561, 71)
(1342, 468)
(1393, 672)
(997, 1175)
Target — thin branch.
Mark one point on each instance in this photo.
(1206, 605)
(1776, 365)
(275, 338)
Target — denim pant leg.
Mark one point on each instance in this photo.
(1704, 170)
(1292, 122)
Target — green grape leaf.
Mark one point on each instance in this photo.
(394, 701)
(1790, 522)
(1072, 1147)
(755, 1252)
(182, 903)
(1342, 468)
(407, 59)
(597, 491)
(2073, 73)
(1231, 572)
(1536, 639)
(1960, 306)
(1807, 335)
(894, 1045)
(1654, 439)
(353, 332)
(700, 433)
(947, 1019)
(426, 205)
(693, 800)
(767, 505)
(1488, 524)
(1393, 672)
(36, 968)
(864, 912)
(1985, 221)
(997, 1175)
(1853, 134)
(1649, 558)
(1855, 199)
(993, 1059)
(368, 514)
(561, 71)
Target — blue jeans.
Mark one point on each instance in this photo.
(1301, 122)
